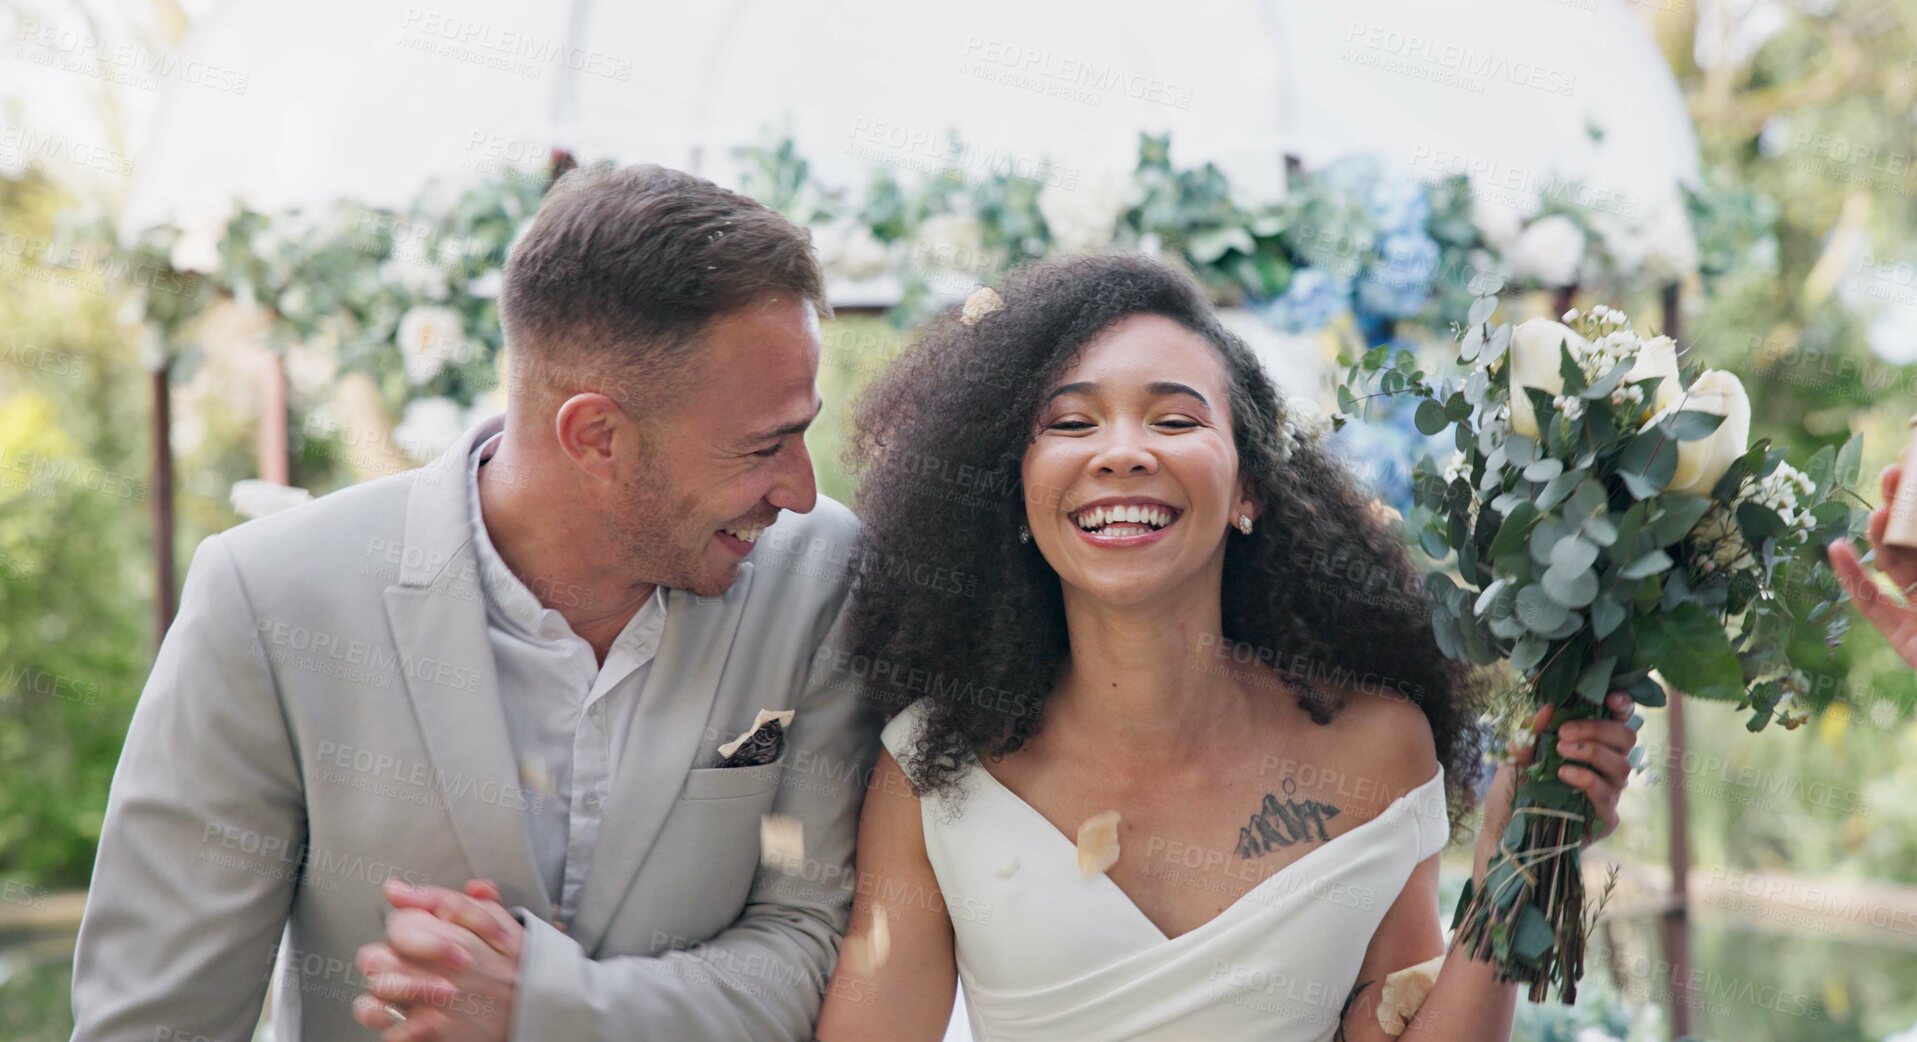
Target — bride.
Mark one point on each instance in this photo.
(1168, 632)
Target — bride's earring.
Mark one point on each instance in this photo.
(1024, 534)
(1244, 523)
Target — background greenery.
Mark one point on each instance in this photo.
(1793, 319)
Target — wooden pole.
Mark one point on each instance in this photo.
(1676, 922)
(161, 482)
(273, 448)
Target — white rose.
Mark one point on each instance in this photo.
(311, 368)
(850, 251)
(487, 285)
(1700, 463)
(1497, 223)
(198, 246)
(410, 271)
(429, 428)
(1535, 355)
(1666, 245)
(951, 242)
(1658, 357)
(256, 498)
(1549, 251)
(1083, 217)
(429, 338)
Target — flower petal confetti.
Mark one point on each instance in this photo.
(782, 842)
(865, 953)
(981, 303)
(1098, 843)
(1404, 991)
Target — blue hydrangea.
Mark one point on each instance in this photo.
(1353, 176)
(1311, 302)
(1398, 282)
(1392, 201)
(1398, 206)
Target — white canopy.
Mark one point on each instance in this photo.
(365, 99)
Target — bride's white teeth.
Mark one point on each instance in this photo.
(1150, 518)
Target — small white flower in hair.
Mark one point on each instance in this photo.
(981, 303)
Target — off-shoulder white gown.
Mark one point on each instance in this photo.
(1047, 954)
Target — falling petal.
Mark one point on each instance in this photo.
(1098, 843)
(1404, 991)
(865, 953)
(782, 843)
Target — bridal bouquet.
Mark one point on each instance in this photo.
(1604, 518)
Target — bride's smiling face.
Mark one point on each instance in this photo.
(1131, 479)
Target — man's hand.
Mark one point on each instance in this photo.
(449, 965)
(1896, 619)
(1601, 767)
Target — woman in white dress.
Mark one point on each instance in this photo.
(1101, 581)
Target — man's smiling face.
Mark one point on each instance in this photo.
(728, 452)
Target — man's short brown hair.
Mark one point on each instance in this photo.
(623, 267)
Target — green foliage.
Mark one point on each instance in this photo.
(74, 596)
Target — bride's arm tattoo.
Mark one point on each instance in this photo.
(1281, 823)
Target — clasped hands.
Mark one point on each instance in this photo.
(448, 968)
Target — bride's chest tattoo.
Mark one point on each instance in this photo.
(1284, 819)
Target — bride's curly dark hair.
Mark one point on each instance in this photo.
(952, 605)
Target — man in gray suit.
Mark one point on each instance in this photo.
(441, 754)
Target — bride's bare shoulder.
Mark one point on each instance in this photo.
(1385, 735)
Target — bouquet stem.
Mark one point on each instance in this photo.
(1527, 914)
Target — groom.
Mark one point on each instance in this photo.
(439, 754)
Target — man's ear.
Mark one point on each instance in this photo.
(590, 428)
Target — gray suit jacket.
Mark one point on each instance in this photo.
(324, 714)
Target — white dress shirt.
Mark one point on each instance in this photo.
(569, 716)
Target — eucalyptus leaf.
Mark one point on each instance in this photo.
(1574, 553)
(1650, 564)
(1687, 644)
(1647, 463)
(1558, 488)
(1606, 614)
(1675, 517)
(1595, 682)
(1544, 469)
(1570, 587)
(1527, 653)
(1690, 424)
(1539, 613)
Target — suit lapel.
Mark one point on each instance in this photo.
(465, 732)
(437, 611)
(665, 743)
